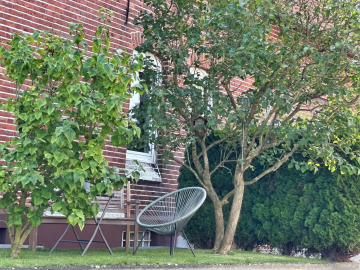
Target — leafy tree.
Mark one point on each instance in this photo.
(298, 60)
(67, 102)
(288, 209)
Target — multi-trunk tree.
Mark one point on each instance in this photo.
(68, 101)
(297, 61)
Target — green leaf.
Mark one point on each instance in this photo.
(58, 131)
(98, 159)
(100, 187)
(17, 170)
(48, 155)
(32, 150)
(38, 200)
(59, 156)
(36, 34)
(74, 162)
(57, 206)
(15, 141)
(38, 114)
(105, 130)
(97, 150)
(125, 79)
(70, 134)
(41, 102)
(72, 27)
(85, 164)
(95, 47)
(75, 96)
(83, 88)
(95, 208)
(23, 116)
(73, 220)
(41, 133)
(93, 164)
(46, 120)
(81, 224)
(136, 175)
(92, 71)
(79, 213)
(50, 110)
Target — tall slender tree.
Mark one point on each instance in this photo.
(297, 61)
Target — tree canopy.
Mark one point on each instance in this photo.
(296, 62)
(67, 103)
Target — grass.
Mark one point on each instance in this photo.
(67, 257)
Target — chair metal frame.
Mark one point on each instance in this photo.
(171, 213)
(91, 240)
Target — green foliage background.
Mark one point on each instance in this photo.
(287, 209)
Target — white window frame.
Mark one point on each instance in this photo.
(148, 157)
(201, 74)
(141, 233)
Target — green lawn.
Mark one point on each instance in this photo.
(146, 256)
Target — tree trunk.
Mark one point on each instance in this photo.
(329, 253)
(234, 215)
(288, 248)
(19, 237)
(15, 250)
(219, 225)
(219, 218)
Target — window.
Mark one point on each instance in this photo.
(139, 150)
(145, 243)
(2, 235)
(201, 74)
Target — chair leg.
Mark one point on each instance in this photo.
(78, 239)
(142, 238)
(187, 241)
(171, 241)
(106, 243)
(97, 223)
(90, 241)
(60, 238)
(173, 245)
(92, 238)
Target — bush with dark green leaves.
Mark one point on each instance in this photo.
(288, 209)
(291, 209)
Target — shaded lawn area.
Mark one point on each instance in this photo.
(68, 257)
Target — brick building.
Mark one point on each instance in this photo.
(26, 16)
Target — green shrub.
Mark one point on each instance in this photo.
(305, 210)
(286, 209)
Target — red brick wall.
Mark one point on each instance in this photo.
(28, 15)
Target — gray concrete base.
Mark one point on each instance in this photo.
(23, 246)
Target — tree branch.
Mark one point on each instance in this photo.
(190, 169)
(196, 159)
(227, 197)
(274, 167)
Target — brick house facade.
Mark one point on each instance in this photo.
(26, 16)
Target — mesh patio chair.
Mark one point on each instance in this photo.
(169, 214)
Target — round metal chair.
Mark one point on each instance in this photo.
(169, 214)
